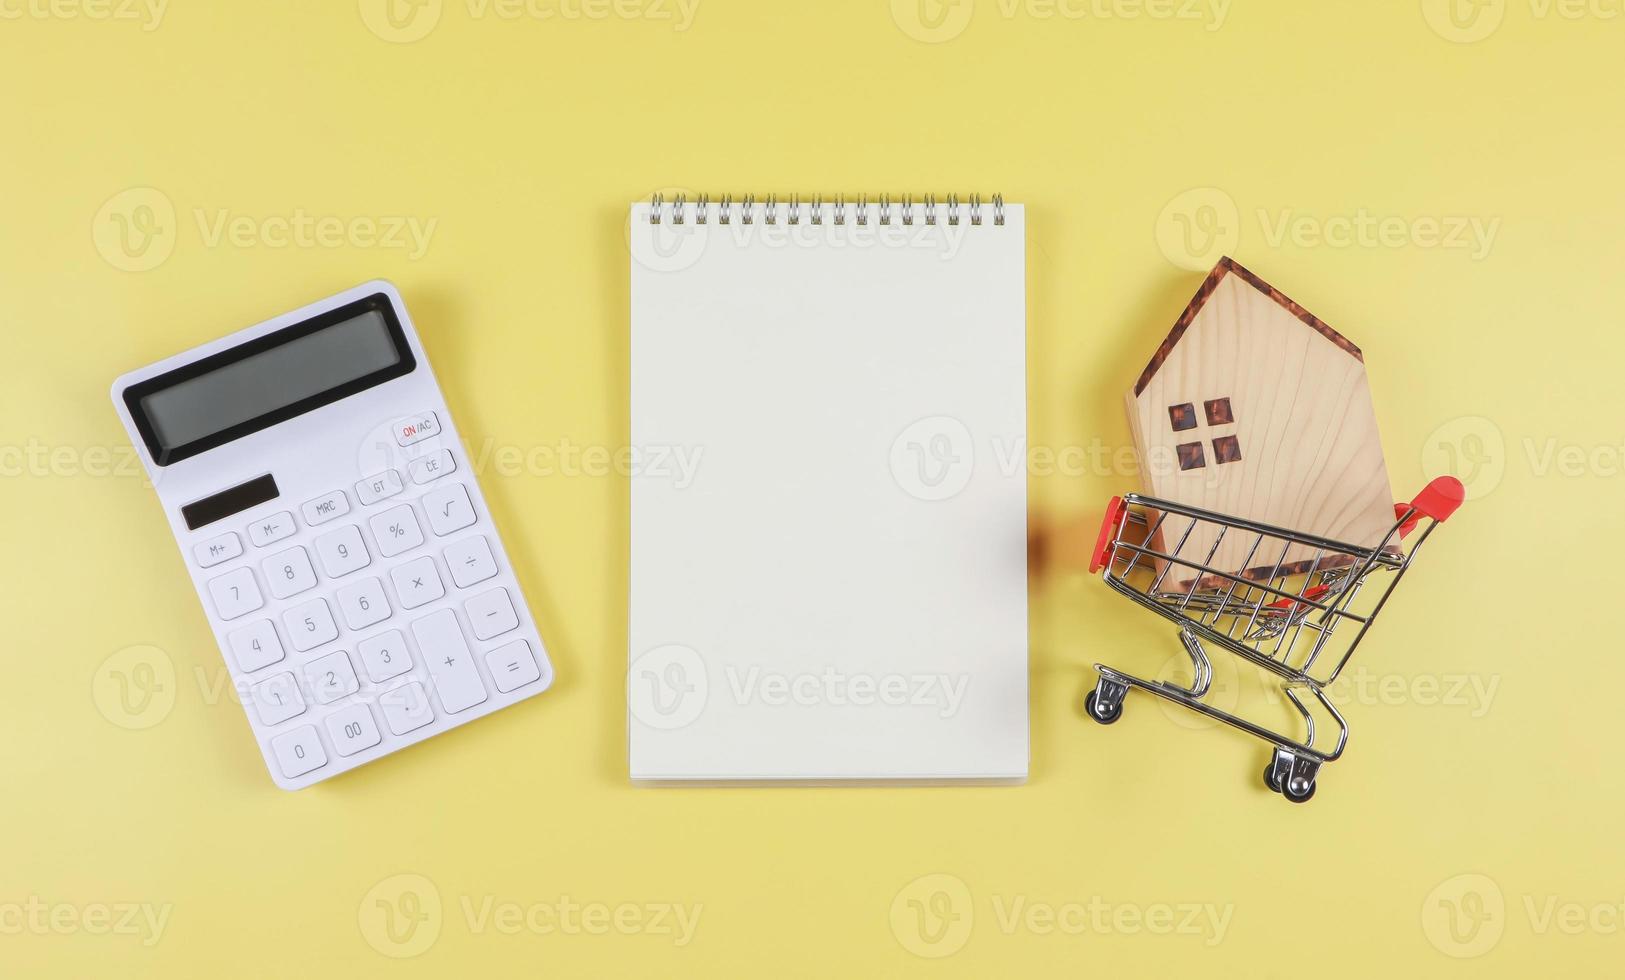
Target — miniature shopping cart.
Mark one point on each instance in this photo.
(1296, 605)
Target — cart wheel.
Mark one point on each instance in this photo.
(1289, 793)
(1269, 778)
(1105, 718)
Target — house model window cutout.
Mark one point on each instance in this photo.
(1226, 449)
(1255, 408)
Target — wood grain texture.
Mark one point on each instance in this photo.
(1305, 452)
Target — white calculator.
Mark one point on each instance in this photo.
(344, 554)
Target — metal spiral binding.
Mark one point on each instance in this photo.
(902, 209)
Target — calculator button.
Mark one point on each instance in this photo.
(342, 551)
(379, 486)
(255, 646)
(406, 709)
(512, 666)
(448, 509)
(235, 593)
(299, 751)
(470, 561)
(449, 660)
(288, 573)
(278, 699)
(325, 508)
(431, 468)
(267, 530)
(417, 582)
(309, 625)
(352, 729)
(331, 677)
(217, 549)
(417, 428)
(396, 530)
(363, 604)
(491, 614)
(384, 656)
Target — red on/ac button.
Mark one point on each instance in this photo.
(417, 428)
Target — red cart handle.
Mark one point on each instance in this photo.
(1438, 500)
(1115, 512)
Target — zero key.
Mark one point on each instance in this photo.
(450, 662)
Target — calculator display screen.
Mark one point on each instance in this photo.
(270, 379)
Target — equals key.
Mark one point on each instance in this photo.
(512, 666)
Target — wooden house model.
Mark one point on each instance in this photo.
(1255, 408)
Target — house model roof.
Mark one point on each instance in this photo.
(1230, 267)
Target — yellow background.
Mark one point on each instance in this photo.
(524, 139)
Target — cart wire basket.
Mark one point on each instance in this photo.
(1296, 605)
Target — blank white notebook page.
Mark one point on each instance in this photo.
(829, 506)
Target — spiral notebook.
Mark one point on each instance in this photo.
(828, 505)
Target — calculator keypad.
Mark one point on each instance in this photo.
(268, 530)
(255, 646)
(299, 751)
(329, 506)
(417, 428)
(406, 708)
(379, 486)
(331, 677)
(449, 660)
(277, 698)
(342, 551)
(235, 593)
(431, 468)
(218, 549)
(329, 665)
(352, 729)
(396, 531)
(417, 583)
(448, 509)
(384, 656)
(364, 604)
(512, 666)
(309, 625)
(470, 561)
(490, 614)
(289, 573)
